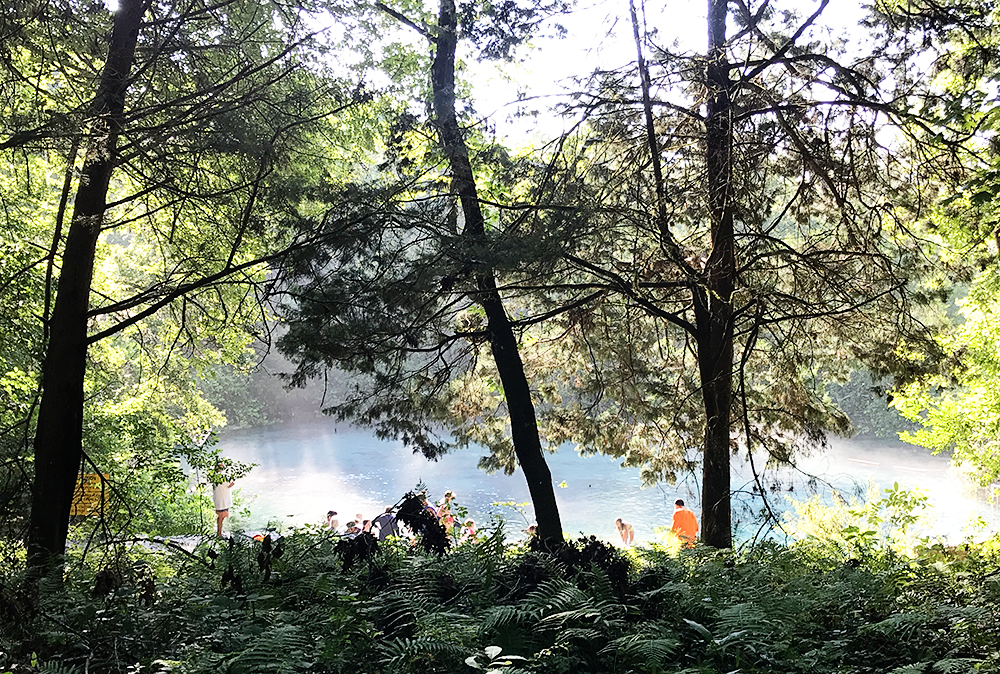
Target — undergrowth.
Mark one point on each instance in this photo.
(291, 606)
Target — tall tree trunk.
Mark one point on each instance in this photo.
(713, 303)
(59, 435)
(503, 342)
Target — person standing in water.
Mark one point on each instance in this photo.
(625, 530)
(331, 520)
(684, 524)
(444, 509)
(428, 508)
(385, 524)
(222, 498)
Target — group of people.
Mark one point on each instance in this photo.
(684, 525)
(460, 531)
(381, 526)
(384, 525)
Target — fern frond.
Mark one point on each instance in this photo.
(399, 601)
(948, 666)
(491, 551)
(555, 596)
(419, 651)
(916, 668)
(283, 648)
(899, 625)
(501, 617)
(598, 584)
(587, 634)
(59, 668)
(590, 611)
(649, 649)
(955, 666)
(450, 625)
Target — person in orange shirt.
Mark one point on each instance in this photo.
(684, 524)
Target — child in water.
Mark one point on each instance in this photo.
(468, 530)
(625, 530)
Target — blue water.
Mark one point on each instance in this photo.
(304, 471)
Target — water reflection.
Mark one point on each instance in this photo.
(303, 471)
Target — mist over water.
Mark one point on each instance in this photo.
(304, 471)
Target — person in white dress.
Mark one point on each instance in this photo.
(222, 498)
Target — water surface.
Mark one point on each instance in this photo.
(304, 471)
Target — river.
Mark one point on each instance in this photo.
(304, 471)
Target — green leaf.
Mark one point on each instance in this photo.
(700, 629)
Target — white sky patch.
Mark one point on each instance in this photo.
(599, 37)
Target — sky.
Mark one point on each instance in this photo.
(599, 35)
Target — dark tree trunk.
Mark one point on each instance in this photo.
(503, 342)
(713, 304)
(58, 438)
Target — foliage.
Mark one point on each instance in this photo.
(413, 513)
(763, 609)
(613, 274)
(867, 403)
(892, 521)
(251, 393)
(233, 127)
(956, 407)
(413, 260)
(959, 409)
(806, 231)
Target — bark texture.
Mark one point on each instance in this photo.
(503, 342)
(59, 435)
(713, 302)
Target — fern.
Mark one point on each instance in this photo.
(555, 596)
(604, 613)
(511, 627)
(416, 654)
(949, 666)
(899, 626)
(955, 666)
(490, 552)
(284, 648)
(653, 648)
(580, 634)
(505, 616)
(59, 668)
(598, 584)
(763, 611)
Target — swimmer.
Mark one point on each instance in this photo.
(625, 530)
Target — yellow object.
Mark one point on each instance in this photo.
(91, 495)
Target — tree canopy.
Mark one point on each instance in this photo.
(723, 233)
(178, 152)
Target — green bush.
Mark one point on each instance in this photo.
(289, 606)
